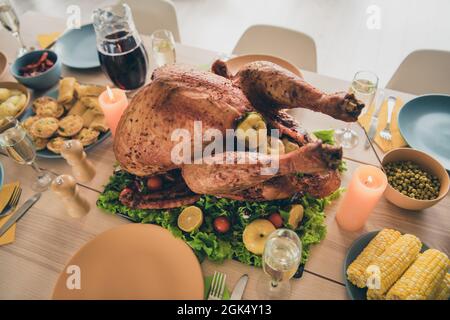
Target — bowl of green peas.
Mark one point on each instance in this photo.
(416, 180)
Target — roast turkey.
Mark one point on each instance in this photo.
(178, 96)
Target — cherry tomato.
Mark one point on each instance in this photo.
(221, 224)
(276, 220)
(154, 183)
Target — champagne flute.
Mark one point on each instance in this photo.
(163, 47)
(364, 86)
(19, 147)
(281, 259)
(10, 21)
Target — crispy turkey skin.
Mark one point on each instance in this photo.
(179, 95)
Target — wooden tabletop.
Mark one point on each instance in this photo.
(46, 237)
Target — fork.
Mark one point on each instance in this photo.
(386, 132)
(217, 286)
(12, 203)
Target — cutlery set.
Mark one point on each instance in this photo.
(385, 134)
(217, 288)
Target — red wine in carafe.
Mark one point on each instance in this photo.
(124, 60)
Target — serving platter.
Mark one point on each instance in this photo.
(424, 122)
(47, 154)
(356, 248)
(134, 261)
(78, 48)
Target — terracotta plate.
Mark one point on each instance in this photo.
(133, 261)
(234, 64)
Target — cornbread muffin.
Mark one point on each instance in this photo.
(87, 136)
(70, 125)
(44, 127)
(39, 143)
(55, 144)
(48, 107)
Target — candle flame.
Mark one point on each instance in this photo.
(110, 93)
(369, 181)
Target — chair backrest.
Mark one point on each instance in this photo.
(422, 72)
(293, 46)
(151, 15)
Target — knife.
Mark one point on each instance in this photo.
(239, 288)
(19, 213)
(374, 120)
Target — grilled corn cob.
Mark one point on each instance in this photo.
(443, 292)
(422, 279)
(356, 271)
(393, 262)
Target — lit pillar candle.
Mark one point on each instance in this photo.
(113, 103)
(363, 193)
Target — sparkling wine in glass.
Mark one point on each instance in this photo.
(163, 48)
(364, 87)
(281, 259)
(10, 21)
(19, 147)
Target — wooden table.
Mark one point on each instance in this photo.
(46, 237)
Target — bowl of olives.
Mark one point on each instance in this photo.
(416, 180)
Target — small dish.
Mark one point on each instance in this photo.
(427, 163)
(21, 88)
(235, 63)
(43, 80)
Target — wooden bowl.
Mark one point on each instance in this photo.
(23, 89)
(3, 64)
(235, 63)
(427, 163)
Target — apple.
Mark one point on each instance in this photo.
(255, 235)
(221, 224)
(276, 220)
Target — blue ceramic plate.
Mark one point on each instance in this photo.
(1, 174)
(78, 48)
(47, 153)
(425, 124)
(357, 247)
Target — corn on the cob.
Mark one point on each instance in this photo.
(393, 262)
(422, 279)
(356, 271)
(443, 292)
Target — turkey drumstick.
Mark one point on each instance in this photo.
(269, 86)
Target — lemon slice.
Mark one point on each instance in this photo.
(295, 215)
(190, 219)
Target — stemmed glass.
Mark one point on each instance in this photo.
(10, 21)
(364, 87)
(163, 47)
(281, 259)
(19, 147)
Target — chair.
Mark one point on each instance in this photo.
(151, 15)
(293, 46)
(422, 72)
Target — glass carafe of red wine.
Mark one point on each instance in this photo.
(123, 57)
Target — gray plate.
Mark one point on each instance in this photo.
(425, 124)
(356, 248)
(77, 48)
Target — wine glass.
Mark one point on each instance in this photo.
(163, 47)
(281, 259)
(121, 52)
(364, 86)
(10, 21)
(19, 147)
